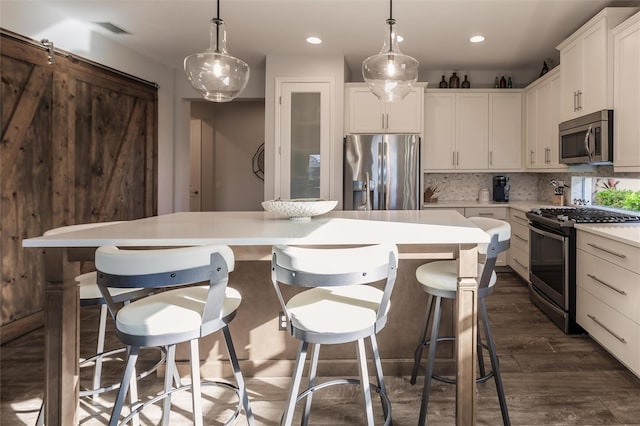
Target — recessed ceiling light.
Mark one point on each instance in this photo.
(314, 40)
(476, 39)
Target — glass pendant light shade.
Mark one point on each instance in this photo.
(216, 75)
(390, 74)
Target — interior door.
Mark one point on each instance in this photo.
(305, 140)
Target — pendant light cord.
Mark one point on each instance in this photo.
(218, 21)
(390, 21)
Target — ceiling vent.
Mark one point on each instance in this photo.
(111, 27)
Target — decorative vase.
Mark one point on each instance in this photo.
(496, 83)
(443, 83)
(454, 81)
(466, 84)
(503, 83)
(509, 83)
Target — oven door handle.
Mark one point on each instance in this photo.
(546, 234)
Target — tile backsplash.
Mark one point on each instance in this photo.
(465, 186)
(524, 186)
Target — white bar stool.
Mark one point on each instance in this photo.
(182, 314)
(440, 281)
(337, 308)
(90, 296)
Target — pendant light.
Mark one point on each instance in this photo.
(216, 75)
(390, 74)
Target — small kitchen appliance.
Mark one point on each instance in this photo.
(501, 188)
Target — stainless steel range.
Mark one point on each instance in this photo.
(552, 261)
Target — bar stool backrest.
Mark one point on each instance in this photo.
(312, 267)
(155, 269)
(500, 233)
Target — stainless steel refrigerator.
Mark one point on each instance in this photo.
(381, 172)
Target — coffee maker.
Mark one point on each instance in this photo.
(501, 188)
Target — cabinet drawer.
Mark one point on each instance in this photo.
(492, 212)
(519, 262)
(518, 217)
(615, 332)
(615, 252)
(615, 286)
(520, 237)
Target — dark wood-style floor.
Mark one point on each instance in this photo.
(549, 378)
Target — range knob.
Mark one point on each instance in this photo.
(562, 217)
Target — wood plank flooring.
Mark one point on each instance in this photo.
(549, 378)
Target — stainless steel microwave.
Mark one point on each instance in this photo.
(587, 139)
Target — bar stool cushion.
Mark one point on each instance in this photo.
(174, 311)
(443, 276)
(492, 226)
(335, 309)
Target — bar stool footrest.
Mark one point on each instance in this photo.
(385, 399)
(141, 406)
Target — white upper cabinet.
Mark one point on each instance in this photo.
(587, 65)
(505, 131)
(472, 130)
(542, 117)
(365, 113)
(626, 101)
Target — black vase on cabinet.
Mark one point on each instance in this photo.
(466, 84)
(454, 81)
(443, 83)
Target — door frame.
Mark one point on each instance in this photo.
(327, 165)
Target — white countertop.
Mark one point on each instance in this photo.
(439, 226)
(627, 233)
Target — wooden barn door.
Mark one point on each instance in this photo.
(79, 144)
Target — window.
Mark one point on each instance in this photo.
(612, 192)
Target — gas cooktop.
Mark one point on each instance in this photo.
(567, 216)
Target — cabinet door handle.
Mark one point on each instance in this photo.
(598, 280)
(520, 238)
(607, 329)
(575, 101)
(520, 263)
(382, 116)
(579, 100)
(485, 214)
(531, 156)
(546, 155)
(454, 158)
(491, 158)
(620, 255)
(387, 115)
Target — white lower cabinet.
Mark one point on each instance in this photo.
(608, 295)
(494, 213)
(518, 258)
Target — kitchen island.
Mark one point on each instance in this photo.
(437, 234)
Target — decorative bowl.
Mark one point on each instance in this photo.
(301, 209)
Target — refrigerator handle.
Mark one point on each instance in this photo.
(385, 177)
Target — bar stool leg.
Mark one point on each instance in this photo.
(421, 344)
(170, 363)
(313, 369)
(430, 363)
(479, 351)
(196, 393)
(129, 371)
(97, 369)
(295, 385)
(494, 363)
(364, 381)
(379, 375)
(244, 397)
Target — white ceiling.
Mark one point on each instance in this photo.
(520, 34)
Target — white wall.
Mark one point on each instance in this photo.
(303, 67)
(35, 20)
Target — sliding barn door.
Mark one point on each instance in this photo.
(79, 144)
